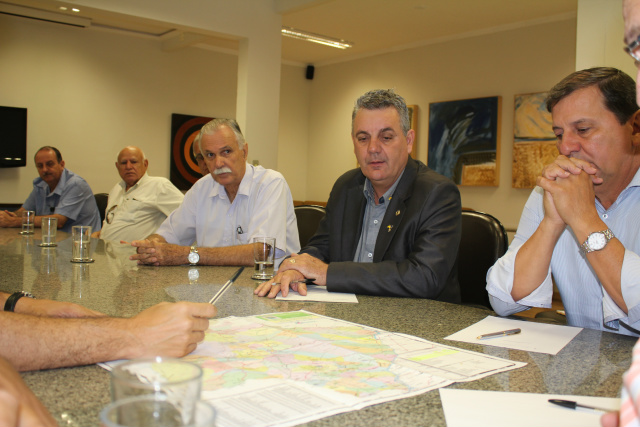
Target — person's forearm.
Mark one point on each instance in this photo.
(227, 255)
(10, 219)
(606, 263)
(533, 260)
(33, 343)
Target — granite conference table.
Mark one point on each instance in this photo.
(592, 364)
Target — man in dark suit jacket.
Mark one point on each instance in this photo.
(392, 226)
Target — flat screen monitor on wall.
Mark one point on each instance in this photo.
(13, 137)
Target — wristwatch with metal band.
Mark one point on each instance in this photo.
(596, 241)
(10, 304)
(193, 256)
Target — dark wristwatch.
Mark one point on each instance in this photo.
(10, 304)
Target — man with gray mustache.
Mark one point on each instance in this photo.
(225, 209)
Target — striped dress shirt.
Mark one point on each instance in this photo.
(585, 301)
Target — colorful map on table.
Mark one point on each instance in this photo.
(283, 369)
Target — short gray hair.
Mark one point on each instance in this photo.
(214, 125)
(196, 143)
(380, 99)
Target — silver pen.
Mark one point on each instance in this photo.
(226, 286)
(500, 334)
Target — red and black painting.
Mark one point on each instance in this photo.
(184, 171)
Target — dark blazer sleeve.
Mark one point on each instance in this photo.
(417, 244)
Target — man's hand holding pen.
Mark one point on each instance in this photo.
(292, 274)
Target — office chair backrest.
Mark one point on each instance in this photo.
(308, 217)
(483, 241)
(101, 200)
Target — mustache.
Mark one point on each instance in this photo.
(222, 170)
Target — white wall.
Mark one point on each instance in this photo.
(293, 136)
(256, 24)
(600, 36)
(90, 93)
(526, 60)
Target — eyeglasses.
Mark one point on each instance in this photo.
(633, 49)
(111, 213)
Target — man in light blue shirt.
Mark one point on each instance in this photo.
(581, 224)
(57, 193)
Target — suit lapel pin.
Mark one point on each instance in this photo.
(397, 212)
(389, 227)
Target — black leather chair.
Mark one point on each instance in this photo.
(483, 241)
(308, 217)
(101, 200)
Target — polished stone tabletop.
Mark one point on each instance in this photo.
(590, 365)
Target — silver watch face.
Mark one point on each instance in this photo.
(194, 274)
(193, 257)
(596, 241)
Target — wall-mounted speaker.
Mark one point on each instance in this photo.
(310, 70)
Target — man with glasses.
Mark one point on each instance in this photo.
(580, 225)
(139, 203)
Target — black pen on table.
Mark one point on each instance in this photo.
(575, 405)
(226, 286)
(500, 334)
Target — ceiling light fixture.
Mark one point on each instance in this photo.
(44, 15)
(316, 38)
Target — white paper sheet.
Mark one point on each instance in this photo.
(538, 337)
(464, 408)
(318, 294)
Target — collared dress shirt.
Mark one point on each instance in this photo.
(71, 198)
(137, 213)
(263, 207)
(417, 244)
(586, 302)
(373, 216)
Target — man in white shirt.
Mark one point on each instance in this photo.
(580, 225)
(139, 203)
(224, 210)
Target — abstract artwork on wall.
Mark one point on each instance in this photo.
(464, 140)
(184, 171)
(534, 143)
